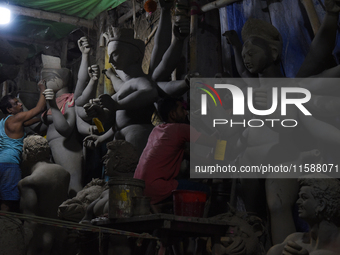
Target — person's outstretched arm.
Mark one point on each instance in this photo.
(15, 124)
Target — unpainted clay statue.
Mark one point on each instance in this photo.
(242, 237)
(120, 160)
(43, 189)
(74, 209)
(83, 121)
(261, 57)
(136, 92)
(166, 53)
(84, 90)
(62, 132)
(133, 101)
(319, 204)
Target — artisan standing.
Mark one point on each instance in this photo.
(12, 134)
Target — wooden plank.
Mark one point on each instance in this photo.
(170, 224)
(39, 14)
(128, 15)
(312, 15)
(25, 40)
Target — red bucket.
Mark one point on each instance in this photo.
(189, 202)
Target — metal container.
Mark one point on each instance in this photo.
(121, 192)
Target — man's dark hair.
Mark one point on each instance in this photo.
(165, 106)
(5, 103)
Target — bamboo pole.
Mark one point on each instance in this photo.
(63, 55)
(25, 40)
(217, 4)
(73, 225)
(147, 40)
(312, 15)
(4, 88)
(51, 16)
(128, 15)
(193, 40)
(134, 17)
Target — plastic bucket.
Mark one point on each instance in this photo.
(189, 202)
(121, 192)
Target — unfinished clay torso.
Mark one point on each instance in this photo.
(67, 151)
(44, 180)
(48, 179)
(138, 114)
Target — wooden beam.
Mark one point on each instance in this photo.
(147, 40)
(51, 16)
(25, 40)
(193, 40)
(312, 15)
(128, 15)
(63, 55)
(217, 4)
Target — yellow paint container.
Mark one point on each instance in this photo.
(121, 192)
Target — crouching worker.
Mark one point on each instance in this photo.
(160, 162)
(12, 135)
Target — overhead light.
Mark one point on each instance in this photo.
(5, 15)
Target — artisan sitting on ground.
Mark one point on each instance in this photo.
(161, 159)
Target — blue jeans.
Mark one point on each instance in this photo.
(10, 175)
